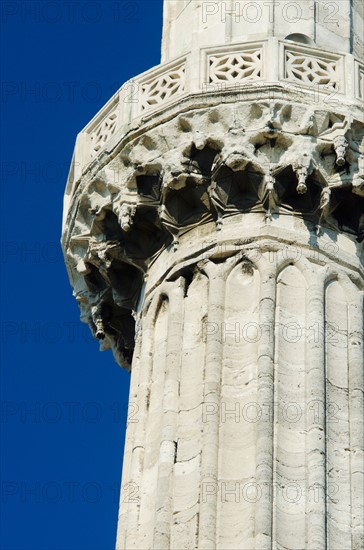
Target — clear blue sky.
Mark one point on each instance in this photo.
(61, 463)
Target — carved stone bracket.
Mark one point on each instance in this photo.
(126, 216)
(341, 145)
(303, 168)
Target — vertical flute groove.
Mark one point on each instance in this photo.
(164, 496)
(265, 393)
(138, 445)
(212, 391)
(356, 415)
(315, 411)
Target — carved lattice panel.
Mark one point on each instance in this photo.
(164, 87)
(103, 132)
(309, 69)
(361, 82)
(236, 66)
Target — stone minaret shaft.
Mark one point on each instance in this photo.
(213, 233)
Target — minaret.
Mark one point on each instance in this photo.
(213, 234)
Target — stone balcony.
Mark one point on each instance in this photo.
(254, 70)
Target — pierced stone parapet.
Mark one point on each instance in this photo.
(311, 69)
(235, 66)
(360, 81)
(104, 132)
(157, 90)
(238, 71)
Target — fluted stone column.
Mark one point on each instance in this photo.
(213, 233)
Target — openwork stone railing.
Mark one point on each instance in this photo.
(161, 87)
(311, 69)
(360, 78)
(230, 69)
(235, 66)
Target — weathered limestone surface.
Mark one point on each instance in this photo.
(213, 233)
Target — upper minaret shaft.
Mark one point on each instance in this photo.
(335, 26)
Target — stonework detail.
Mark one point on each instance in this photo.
(104, 132)
(361, 81)
(164, 87)
(215, 244)
(196, 179)
(235, 67)
(310, 69)
(223, 68)
(214, 453)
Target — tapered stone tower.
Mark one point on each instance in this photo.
(213, 233)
